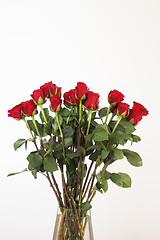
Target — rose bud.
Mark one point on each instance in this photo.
(67, 99)
(115, 96)
(136, 113)
(81, 91)
(58, 91)
(49, 89)
(122, 109)
(38, 97)
(29, 108)
(16, 112)
(113, 109)
(73, 98)
(70, 98)
(55, 105)
(92, 101)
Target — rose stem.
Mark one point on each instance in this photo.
(44, 116)
(48, 177)
(80, 110)
(93, 178)
(108, 113)
(32, 136)
(66, 193)
(82, 178)
(119, 119)
(58, 191)
(89, 120)
(74, 206)
(103, 171)
(34, 122)
(90, 167)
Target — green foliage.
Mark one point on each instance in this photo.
(102, 112)
(68, 141)
(12, 174)
(121, 179)
(118, 154)
(74, 155)
(35, 160)
(135, 138)
(129, 128)
(86, 206)
(68, 131)
(133, 158)
(105, 153)
(50, 164)
(19, 143)
(100, 133)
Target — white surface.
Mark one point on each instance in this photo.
(108, 45)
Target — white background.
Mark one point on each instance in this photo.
(108, 45)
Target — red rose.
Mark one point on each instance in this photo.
(16, 112)
(55, 103)
(67, 98)
(74, 100)
(70, 98)
(122, 109)
(49, 89)
(115, 96)
(29, 108)
(113, 109)
(38, 96)
(136, 113)
(81, 91)
(92, 101)
(58, 92)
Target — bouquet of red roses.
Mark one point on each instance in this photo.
(80, 140)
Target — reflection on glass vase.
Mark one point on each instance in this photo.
(73, 224)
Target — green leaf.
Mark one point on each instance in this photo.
(35, 160)
(104, 153)
(119, 137)
(34, 173)
(121, 179)
(68, 131)
(94, 155)
(100, 134)
(93, 147)
(19, 143)
(107, 175)
(74, 155)
(98, 187)
(103, 112)
(135, 138)
(89, 137)
(68, 142)
(129, 128)
(12, 174)
(86, 206)
(65, 112)
(104, 185)
(118, 154)
(126, 180)
(133, 158)
(50, 164)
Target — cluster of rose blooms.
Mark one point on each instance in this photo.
(80, 95)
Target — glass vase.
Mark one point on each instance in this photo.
(73, 225)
